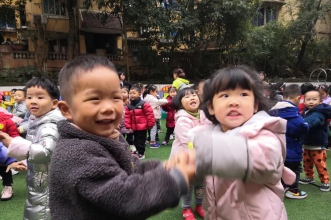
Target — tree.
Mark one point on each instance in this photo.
(70, 5)
(302, 27)
(269, 48)
(188, 24)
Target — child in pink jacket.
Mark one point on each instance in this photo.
(244, 150)
(188, 116)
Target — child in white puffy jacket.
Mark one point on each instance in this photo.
(150, 96)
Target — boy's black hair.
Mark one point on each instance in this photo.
(136, 87)
(13, 90)
(140, 85)
(73, 69)
(231, 78)
(51, 88)
(177, 100)
(315, 90)
(305, 87)
(292, 91)
(22, 90)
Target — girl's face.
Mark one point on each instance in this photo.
(191, 102)
(172, 93)
(232, 108)
(262, 76)
(154, 93)
(175, 75)
(323, 93)
(125, 94)
(122, 77)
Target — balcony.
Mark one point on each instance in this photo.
(55, 61)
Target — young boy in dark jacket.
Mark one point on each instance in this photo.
(295, 129)
(138, 118)
(315, 141)
(93, 175)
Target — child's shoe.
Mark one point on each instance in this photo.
(155, 145)
(293, 195)
(164, 143)
(171, 137)
(325, 187)
(141, 156)
(306, 180)
(188, 214)
(199, 210)
(7, 193)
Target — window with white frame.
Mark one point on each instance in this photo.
(54, 7)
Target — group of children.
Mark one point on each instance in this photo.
(12, 115)
(227, 148)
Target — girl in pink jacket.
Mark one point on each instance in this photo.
(243, 152)
(186, 104)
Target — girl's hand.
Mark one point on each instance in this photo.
(18, 166)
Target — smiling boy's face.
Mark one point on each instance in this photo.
(19, 96)
(312, 99)
(96, 104)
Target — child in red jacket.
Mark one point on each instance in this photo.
(9, 127)
(138, 118)
(170, 121)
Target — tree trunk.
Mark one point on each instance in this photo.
(305, 42)
(300, 57)
(71, 4)
(125, 48)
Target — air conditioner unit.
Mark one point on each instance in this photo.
(44, 19)
(36, 19)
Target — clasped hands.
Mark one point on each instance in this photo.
(184, 161)
(18, 166)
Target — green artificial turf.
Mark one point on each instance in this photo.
(316, 206)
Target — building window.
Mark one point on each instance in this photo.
(265, 15)
(271, 14)
(22, 15)
(7, 18)
(54, 7)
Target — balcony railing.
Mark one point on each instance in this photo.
(114, 57)
(57, 56)
(23, 55)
